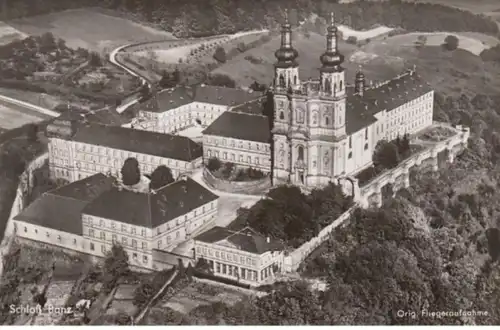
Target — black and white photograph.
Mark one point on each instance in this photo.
(249, 162)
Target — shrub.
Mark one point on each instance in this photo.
(220, 55)
(352, 40)
(451, 42)
(214, 164)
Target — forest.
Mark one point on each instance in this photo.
(192, 18)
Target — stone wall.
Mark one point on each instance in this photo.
(256, 187)
(24, 180)
(295, 258)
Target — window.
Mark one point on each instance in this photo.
(350, 141)
(217, 254)
(350, 155)
(366, 134)
(144, 246)
(92, 247)
(249, 261)
(327, 121)
(124, 228)
(113, 225)
(249, 159)
(366, 146)
(282, 115)
(124, 241)
(145, 259)
(91, 233)
(300, 153)
(223, 255)
(103, 248)
(242, 260)
(134, 256)
(168, 239)
(58, 237)
(101, 223)
(159, 243)
(113, 238)
(103, 235)
(133, 230)
(143, 232)
(134, 244)
(26, 230)
(74, 241)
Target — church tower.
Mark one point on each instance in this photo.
(332, 83)
(359, 82)
(286, 82)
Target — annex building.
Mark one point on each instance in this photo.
(92, 214)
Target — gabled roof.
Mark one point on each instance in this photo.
(387, 96)
(106, 116)
(151, 209)
(246, 239)
(242, 126)
(61, 209)
(223, 95)
(168, 99)
(139, 141)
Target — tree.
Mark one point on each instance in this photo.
(145, 91)
(32, 132)
(47, 42)
(95, 59)
(220, 55)
(221, 80)
(161, 177)
(451, 42)
(386, 155)
(421, 41)
(131, 174)
(115, 266)
(214, 164)
(256, 87)
(352, 40)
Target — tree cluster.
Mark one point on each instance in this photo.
(169, 80)
(388, 154)
(191, 18)
(291, 216)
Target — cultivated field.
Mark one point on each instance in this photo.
(41, 99)
(89, 29)
(9, 34)
(12, 116)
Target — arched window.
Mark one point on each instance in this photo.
(334, 87)
(300, 153)
(327, 121)
(350, 141)
(300, 115)
(328, 84)
(366, 134)
(340, 86)
(282, 81)
(315, 118)
(282, 115)
(295, 80)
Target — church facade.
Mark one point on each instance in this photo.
(323, 129)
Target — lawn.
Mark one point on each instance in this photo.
(257, 64)
(13, 116)
(89, 29)
(472, 42)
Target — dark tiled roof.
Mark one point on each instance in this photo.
(387, 96)
(246, 239)
(223, 95)
(151, 209)
(61, 209)
(107, 116)
(169, 99)
(241, 126)
(255, 107)
(149, 143)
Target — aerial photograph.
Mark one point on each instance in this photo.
(250, 162)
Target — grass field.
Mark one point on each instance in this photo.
(472, 42)
(260, 68)
(40, 99)
(450, 72)
(88, 28)
(9, 34)
(12, 116)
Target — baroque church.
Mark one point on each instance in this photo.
(324, 129)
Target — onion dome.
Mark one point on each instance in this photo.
(331, 57)
(286, 54)
(360, 75)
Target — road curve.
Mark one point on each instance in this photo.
(112, 59)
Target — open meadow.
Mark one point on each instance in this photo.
(12, 116)
(89, 29)
(381, 59)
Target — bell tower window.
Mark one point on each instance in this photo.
(327, 121)
(340, 86)
(282, 115)
(282, 81)
(295, 80)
